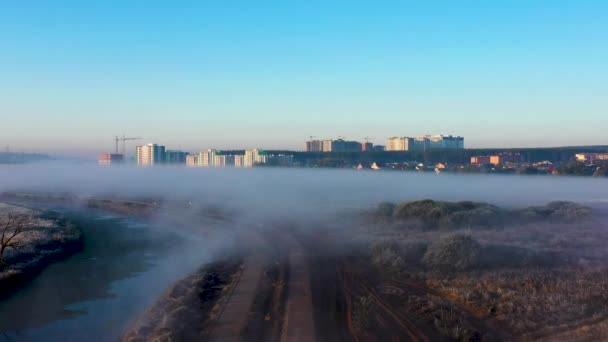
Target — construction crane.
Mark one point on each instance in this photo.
(123, 139)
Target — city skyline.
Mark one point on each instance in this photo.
(511, 74)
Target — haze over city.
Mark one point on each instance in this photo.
(238, 75)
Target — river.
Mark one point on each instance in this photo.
(94, 295)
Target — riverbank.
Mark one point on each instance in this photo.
(46, 238)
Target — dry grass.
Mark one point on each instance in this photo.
(531, 300)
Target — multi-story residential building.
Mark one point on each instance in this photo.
(444, 142)
(239, 161)
(319, 146)
(399, 144)
(314, 146)
(192, 160)
(219, 160)
(341, 145)
(253, 157)
(424, 143)
(206, 158)
(150, 154)
(230, 160)
(175, 157)
(367, 146)
(109, 158)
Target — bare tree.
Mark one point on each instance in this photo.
(11, 227)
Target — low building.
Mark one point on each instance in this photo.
(506, 158)
(591, 157)
(480, 160)
(110, 158)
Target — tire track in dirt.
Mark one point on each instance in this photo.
(298, 324)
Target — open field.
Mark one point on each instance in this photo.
(420, 271)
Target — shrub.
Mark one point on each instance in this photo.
(557, 210)
(363, 310)
(390, 254)
(385, 253)
(568, 211)
(439, 214)
(457, 252)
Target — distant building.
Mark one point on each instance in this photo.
(327, 146)
(219, 160)
(424, 143)
(340, 145)
(444, 142)
(192, 160)
(109, 158)
(498, 159)
(230, 160)
(505, 158)
(206, 158)
(150, 154)
(591, 157)
(379, 148)
(368, 146)
(239, 161)
(314, 146)
(480, 160)
(253, 157)
(175, 157)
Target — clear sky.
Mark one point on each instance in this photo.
(232, 74)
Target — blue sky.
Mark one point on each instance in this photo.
(232, 74)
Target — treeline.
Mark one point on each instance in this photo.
(347, 159)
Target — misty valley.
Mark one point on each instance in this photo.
(174, 254)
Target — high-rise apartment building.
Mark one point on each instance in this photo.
(175, 157)
(192, 160)
(341, 145)
(150, 154)
(239, 161)
(219, 160)
(327, 146)
(314, 146)
(424, 143)
(253, 157)
(206, 158)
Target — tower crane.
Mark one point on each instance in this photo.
(123, 139)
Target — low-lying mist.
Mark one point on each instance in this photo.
(265, 191)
